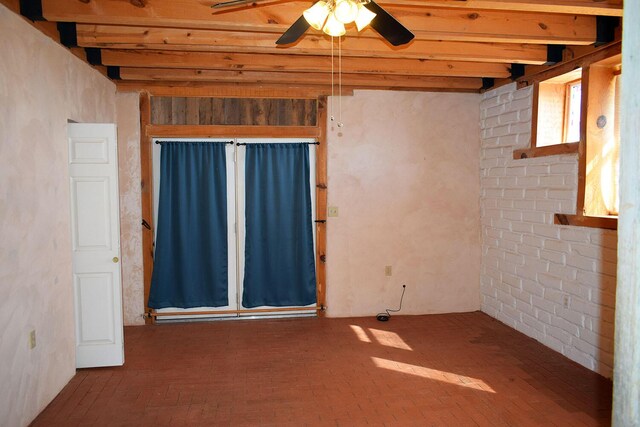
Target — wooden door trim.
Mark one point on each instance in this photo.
(147, 132)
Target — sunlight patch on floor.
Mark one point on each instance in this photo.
(360, 333)
(389, 339)
(432, 374)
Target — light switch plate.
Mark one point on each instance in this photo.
(333, 211)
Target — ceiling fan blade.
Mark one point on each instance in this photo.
(388, 27)
(294, 32)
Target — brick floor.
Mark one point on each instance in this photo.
(436, 370)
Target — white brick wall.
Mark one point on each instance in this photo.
(553, 283)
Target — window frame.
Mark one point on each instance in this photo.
(580, 147)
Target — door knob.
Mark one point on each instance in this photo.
(115, 259)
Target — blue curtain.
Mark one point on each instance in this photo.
(190, 265)
(279, 260)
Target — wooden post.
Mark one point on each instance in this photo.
(146, 184)
(321, 205)
(626, 389)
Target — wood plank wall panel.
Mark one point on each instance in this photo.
(233, 111)
(161, 109)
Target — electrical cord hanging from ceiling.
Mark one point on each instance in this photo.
(332, 85)
(340, 123)
(332, 114)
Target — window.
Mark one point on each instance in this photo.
(572, 111)
(558, 110)
(578, 112)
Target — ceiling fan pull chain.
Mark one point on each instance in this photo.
(332, 92)
(340, 123)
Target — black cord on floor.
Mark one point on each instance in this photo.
(384, 317)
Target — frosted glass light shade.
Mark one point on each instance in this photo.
(333, 27)
(365, 16)
(346, 11)
(317, 14)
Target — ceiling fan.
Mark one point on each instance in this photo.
(331, 15)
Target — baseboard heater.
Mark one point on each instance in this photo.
(234, 314)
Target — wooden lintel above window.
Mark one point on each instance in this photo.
(233, 131)
(590, 55)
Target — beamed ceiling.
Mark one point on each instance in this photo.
(459, 45)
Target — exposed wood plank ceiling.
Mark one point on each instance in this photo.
(460, 45)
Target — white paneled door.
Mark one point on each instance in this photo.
(95, 242)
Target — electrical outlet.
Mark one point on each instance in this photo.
(387, 270)
(565, 301)
(32, 339)
(333, 211)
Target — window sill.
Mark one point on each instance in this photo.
(609, 223)
(550, 150)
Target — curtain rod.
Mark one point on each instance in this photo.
(212, 142)
(231, 142)
(254, 143)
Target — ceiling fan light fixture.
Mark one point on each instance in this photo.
(317, 14)
(365, 16)
(333, 27)
(346, 11)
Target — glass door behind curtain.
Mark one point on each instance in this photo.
(302, 265)
(236, 234)
(229, 151)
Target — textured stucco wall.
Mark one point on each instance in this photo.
(128, 111)
(41, 87)
(404, 173)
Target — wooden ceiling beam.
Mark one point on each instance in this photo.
(440, 24)
(300, 63)
(230, 90)
(579, 7)
(497, 26)
(352, 80)
(148, 38)
(198, 89)
(425, 23)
